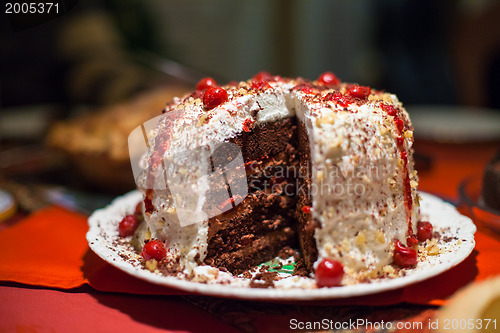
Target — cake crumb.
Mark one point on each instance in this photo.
(389, 270)
(408, 134)
(432, 248)
(361, 241)
(151, 265)
(300, 268)
(263, 280)
(379, 235)
(286, 253)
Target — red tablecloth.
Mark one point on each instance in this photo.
(43, 310)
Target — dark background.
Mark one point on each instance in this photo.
(98, 52)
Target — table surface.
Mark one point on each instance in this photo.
(36, 309)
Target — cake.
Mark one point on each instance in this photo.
(327, 169)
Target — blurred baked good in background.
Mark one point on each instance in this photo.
(89, 86)
(97, 143)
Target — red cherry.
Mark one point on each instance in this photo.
(154, 249)
(128, 226)
(391, 110)
(403, 256)
(138, 209)
(206, 83)
(411, 240)
(400, 124)
(214, 97)
(260, 85)
(306, 209)
(329, 273)
(148, 204)
(337, 97)
(248, 124)
(400, 141)
(328, 79)
(344, 101)
(424, 231)
(262, 76)
(360, 92)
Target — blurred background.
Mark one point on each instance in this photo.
(73, 88)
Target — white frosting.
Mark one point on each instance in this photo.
(362, 213)
(356, 169)
(188, 244)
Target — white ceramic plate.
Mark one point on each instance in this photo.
(104, 241)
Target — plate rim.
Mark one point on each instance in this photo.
(296, 294)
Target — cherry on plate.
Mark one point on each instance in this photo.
(404, 256)
(329, 273)
(154, 249)
(424, 231)
(128, 225)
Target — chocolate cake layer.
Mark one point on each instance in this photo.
(264, 222)
(256, 252)
(267, 139)
(305, 224)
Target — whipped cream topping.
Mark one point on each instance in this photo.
(358, 176)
